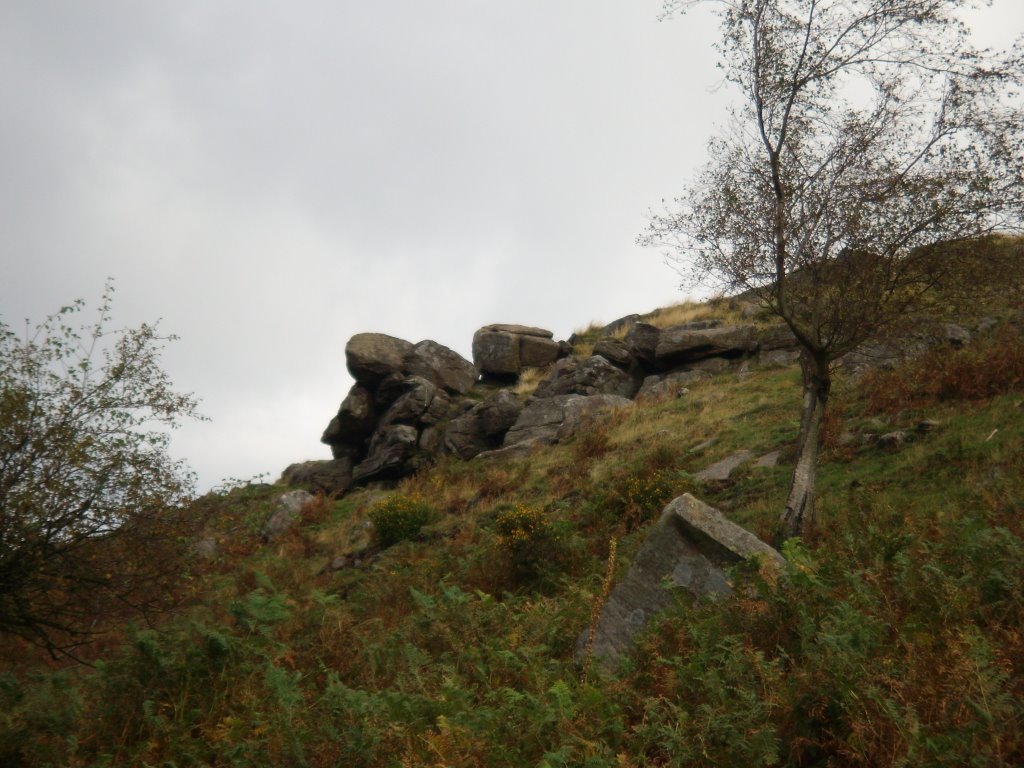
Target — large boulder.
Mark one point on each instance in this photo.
(330, 477)
(685, 344)
(590, 376)
(502, 351)
(536, 352)
(441, 366)
(688, 548)
(370, 357)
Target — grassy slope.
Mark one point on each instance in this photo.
(895, 638)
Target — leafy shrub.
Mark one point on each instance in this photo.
(522, 527)
(398, 518)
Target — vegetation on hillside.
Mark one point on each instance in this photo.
(895, 636)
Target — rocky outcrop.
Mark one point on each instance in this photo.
(387, 425)
(689, 548)
(503, 351)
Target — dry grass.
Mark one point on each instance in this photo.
(529, 378)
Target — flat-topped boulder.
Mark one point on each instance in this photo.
(503, 350)
(518, 330)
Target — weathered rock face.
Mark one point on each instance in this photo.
(502, 351)
(483, 426)
(684, 344)
(330, 477)
(547, 420)
(440, 366)
(540, 420)
(687, 548)
(391, 454)
(354, 422)
(398, 384)
(591, 376)
(370, 357)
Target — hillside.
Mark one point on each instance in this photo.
(432, 619)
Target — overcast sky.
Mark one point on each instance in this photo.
(270, 178)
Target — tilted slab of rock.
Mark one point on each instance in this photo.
(615, 351)
(689, 548)
(441, 366)
(684, 344)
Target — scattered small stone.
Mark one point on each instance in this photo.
(892, 440)
(285, 513)
(927, 425)
(721, 470)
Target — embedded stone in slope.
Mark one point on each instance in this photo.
(689, 548)
(721, 470)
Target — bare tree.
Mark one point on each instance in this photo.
(89, 497)
(867, 132)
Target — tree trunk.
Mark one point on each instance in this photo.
(799, 510)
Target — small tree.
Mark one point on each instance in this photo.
(88, 492)
(868, 131)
